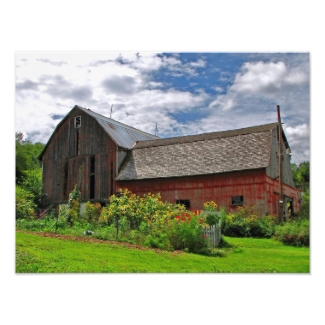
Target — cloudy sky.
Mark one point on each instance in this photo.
(183, 93)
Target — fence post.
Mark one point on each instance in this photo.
(218, 231)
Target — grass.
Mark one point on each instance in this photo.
(39, 254)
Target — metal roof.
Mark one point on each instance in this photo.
(123, 135)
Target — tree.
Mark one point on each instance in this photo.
(301, 174)
(301, 177)
(32, 182)
(26, 156)
(28, 176)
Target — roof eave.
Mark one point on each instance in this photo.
(190, 175)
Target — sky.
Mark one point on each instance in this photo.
(167, 93)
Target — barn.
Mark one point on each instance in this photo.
(103, 156)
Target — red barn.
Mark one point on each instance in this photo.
(232, 168)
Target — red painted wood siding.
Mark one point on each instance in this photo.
(256, 188)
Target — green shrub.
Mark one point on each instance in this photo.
(161, 241)
(44, 225)
(92, 212)
(149, 209)
(105, 232)
(144, 228)
(294, 232)
(32, 182)
(305, 207)
(245, 222)
(25, 206)
(71, 211)
(136, 237)
(185, 233)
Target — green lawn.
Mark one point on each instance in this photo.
(38, 254)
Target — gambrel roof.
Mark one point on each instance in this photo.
(210, 153)
(123, 135)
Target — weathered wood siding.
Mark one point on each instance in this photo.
(66, 160)
(273, 190)
(273, 169)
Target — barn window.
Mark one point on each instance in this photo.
(184, 202)
(77, 122)
(92, 164)
(92, 177)
(237, 200)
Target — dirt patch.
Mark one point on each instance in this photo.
(89, 239)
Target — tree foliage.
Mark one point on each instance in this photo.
(26, 156)
(301, 177)
(300, 174)
(25, 206)
(28, 177)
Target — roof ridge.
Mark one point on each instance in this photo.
(112, 121)
(203, 136)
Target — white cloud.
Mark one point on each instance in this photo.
(266, 78)
(57, 82)
(218, 89)
(49, 85)
(223, 102)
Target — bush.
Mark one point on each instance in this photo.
(71, 211)
(185, 232)
(246, 223)
(25, 206)
(92, 212)
(149, 209)
(304, 211)
(161, 241)
(294, 232)
(32, 182)
(129, 218)
(105, 232)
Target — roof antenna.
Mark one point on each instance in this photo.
(111, 111)
(156, 130)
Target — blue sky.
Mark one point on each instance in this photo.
(183, 93)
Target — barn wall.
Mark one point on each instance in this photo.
(220, 188)
(273, 169)
(273, 195)
(66, 160)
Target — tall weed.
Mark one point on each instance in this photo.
(294, 232)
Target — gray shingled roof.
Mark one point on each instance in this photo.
(210, 153)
